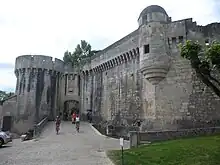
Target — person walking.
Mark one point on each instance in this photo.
(73, 118)
(57, 123)
(77, 122)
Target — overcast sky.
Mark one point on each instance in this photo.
(50, 27)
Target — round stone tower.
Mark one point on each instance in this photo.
(154, 59)
(37, 80)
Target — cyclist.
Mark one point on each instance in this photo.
(77, 122)
(58, 121)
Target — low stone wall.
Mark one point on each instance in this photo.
(115, 131)
(137, 138)
(39, 127)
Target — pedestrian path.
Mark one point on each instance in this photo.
(67, 148)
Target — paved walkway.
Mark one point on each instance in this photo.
(67, 148)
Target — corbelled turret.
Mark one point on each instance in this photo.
(154, 59)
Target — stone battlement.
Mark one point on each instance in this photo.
(39, 61)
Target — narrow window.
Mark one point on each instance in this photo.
(150, 17)
(146, 49)
(207, 42)
(70, 90)
(168, 40)
(180, 39)
(173, 40)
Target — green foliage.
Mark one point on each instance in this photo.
(193, 151)
(82, 54)
(5, 95)
(190, 50)
(213, 54)
(204, 59)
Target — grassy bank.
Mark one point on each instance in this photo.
(195, 151)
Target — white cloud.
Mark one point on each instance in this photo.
(49, 27)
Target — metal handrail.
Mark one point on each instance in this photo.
(38, 127)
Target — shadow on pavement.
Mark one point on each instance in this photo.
(6, 146)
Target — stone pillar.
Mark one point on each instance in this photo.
(134, 139)
(76, 89)
(82, 88)
(62, 93)
(21, 106)
(17, 82)
(93, 94)
(89, 90)
(55, 99)
(67, 83)
(26, 96)
(20, 81)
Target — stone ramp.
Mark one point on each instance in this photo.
(67, 148)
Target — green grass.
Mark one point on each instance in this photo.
(194, 151)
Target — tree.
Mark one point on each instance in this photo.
(4, 95)
(205, 59)
(82, 54)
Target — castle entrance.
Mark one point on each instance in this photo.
(7, 123)
(70, 106)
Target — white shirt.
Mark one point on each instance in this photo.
(77, 119)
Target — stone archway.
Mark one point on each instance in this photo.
(70, 106)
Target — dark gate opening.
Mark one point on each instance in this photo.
(70, 106)
(7, 123)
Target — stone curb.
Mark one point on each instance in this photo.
(97, 132)
(110, 161)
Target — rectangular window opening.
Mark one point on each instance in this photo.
(180, 39)
(173, 40)
(70, 90)
(207, 42)
(146, 49)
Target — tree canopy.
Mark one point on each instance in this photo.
(205, 59)
(4, 95)
(82, 54)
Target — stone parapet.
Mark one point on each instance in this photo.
(39, 61)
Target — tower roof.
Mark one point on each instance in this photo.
(151, 9)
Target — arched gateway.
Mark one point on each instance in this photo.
(70, 106)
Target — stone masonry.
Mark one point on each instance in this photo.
(141, 76)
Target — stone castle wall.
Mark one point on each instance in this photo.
(105, 86)
(141, 76)
(116, 88)
(182, 100)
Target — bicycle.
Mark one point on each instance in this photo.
(57, 128)
(77, 126)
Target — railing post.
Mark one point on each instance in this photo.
(38, 127)
(134, 139)
(35, 131)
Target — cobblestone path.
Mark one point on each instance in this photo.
(67, 148)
